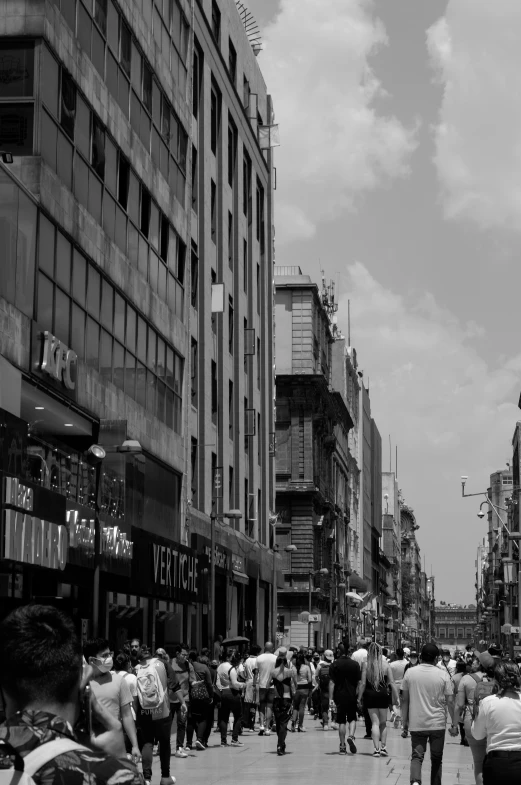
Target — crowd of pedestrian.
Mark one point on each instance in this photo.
(86, 709)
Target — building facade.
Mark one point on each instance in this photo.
(455, 625)
(115, 220)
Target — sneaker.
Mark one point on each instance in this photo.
(147, 782)
(301, 729)
(267, 732)
(224, 743)
(199, 745)
(343, 749)
(325, 727)
(334, 726)
(352, 745)
(376, 754)
(168, 780)
(292, 728)
(188, 747)
(180, 753)
(261, 731)
(383, 751)
(237, 743)
(281, 751)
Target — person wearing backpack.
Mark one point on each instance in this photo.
(231, 690)
(322, 681)
(180, 708)
(201, 695)
(154, 719)
(47, 736)
(473, 687)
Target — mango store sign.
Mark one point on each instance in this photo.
(26, 537)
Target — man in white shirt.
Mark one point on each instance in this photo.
(249, 672)
(265, 664)
(398, 669)
(427, 693)
(447, 664)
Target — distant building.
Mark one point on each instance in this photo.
(454, 625)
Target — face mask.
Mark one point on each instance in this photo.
(413, 660)
(104, 665)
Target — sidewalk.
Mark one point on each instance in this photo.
(312, 757)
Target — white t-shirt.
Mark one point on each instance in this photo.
(428, 688)
(265, 664)
(499, 721)
(360, 656)
(398, 669)
(132, 685)
(249, 666)
(450, 667)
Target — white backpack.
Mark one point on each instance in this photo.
(35, 760)
(150, 691)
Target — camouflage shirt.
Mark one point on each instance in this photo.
(26, 730)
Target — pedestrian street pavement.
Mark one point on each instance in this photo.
(312, 757)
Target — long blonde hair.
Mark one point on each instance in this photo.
(376, 667)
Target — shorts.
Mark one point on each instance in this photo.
(345, 712)
(324, 701)
(266, 696)
(376, 699)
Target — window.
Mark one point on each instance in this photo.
(259, 443)
(98, 148)
(146, 202)
(100, 14)
(258, 289)
(230, 325)
(193, 474)
(231, 488)
(195, 190)
(215, 118)
(232, 153)
(460, 632)
(442, 632)
(258, 363)
(230, 241)
(246, 186)
(216, 22)
(147, 87)
(231, 422)
(246, 92)
(68, 105)
(214, 392)
(451, 632)
(16, 82)
(245, 264)
(260, 217)
(246, 506)
(194, 278)
(232, 62)
(196, 81)
(213, 208)
(123, 181)
(193, 369)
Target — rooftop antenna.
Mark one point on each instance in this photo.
(396, 461)
(251, 27)
(390, 455)
(349, 323)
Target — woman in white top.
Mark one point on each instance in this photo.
(304, 686)
(231, 690)
(499, 721)
(284, 678)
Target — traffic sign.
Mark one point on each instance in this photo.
(515, 630)
(314, 618)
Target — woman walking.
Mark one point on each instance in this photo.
(304, 686)
(230, 690)
(499, 721)
(481, 672)
(284, 678)
(377, 676)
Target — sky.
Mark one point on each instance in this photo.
(399, 175)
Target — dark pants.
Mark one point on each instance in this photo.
(151, 731)
(299, 703)
(210, 718)
(181, 723)
(282, 709)
(248, 715)
(502, 770)
(197, 718)
(419, 740)
(230, 704)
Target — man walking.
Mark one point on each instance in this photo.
(427, 693)
(322, 679)
(345, 675)
(398, 669)
(265, 664)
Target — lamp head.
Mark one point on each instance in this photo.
(464, 478)
(481, 514)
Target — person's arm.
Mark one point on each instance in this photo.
(404, 705)
(331, 687)
(236, 685)
(450, 705)
(174, 687)
(460, 702)
(394, 691)
(362, 683)
(129, 726)
(294, 679)
(479, 726)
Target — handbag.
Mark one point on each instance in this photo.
(198, 689)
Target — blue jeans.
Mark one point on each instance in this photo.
(419, 741)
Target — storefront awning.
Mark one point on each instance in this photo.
(356, 582)
(240, 577)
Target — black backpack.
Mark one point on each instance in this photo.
(323, 677)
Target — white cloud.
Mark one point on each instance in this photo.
(448, 411)
(475, 50)
(334, 142)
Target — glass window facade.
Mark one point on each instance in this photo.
(78, 147)
(17, 97)
(18, 216)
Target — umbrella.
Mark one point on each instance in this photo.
(354, 596)
(235, 641)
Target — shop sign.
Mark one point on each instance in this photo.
(175, 569)
(113, 542)
(58, 361)
(237, 563)
(28, 538)
(221, 558)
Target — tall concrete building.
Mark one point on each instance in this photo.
(391, 544)
(136, 193)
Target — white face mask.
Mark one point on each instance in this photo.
(104, 665)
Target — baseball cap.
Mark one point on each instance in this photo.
(282, 651)
(429, 651)
(328, 655)
(406, 650)
(445, 652)
(413, 653)
(495, 650)
(486, 659)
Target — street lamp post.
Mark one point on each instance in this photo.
(323, 571)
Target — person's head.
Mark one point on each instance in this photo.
(487, 663)
(400, 654)
(214, 664)
(219, 639)
(233, 657)
(429, 653)
(145, 652)
(162, 655)
(341, 650)
(406, 651)
(301, 659)
(413, 657)
(495, 650)
(445, 655)
(385, 652)
(98, 654)
(316, 658)
(461, 667)
(474, 665)
(282, 657)
(181, 654)
(205, 652)
(507, 676)
(328, 656)
(135, 647)
(122, 662)
(255, 650)
(268, 647)
(40, 662)
(204, 660)
(193, 655)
